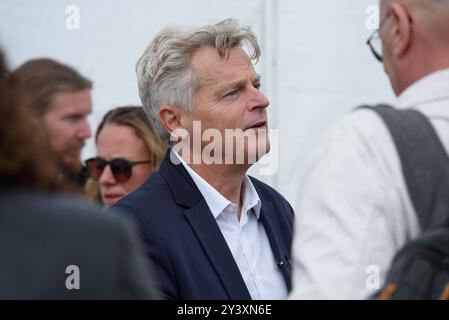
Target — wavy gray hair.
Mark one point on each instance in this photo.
(164, 73)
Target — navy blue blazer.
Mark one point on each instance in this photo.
(190, 257)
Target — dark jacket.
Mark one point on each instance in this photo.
(190, 256)
(42, 235)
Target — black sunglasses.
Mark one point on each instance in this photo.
(121, 168)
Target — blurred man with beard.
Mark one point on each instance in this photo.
(60, 99)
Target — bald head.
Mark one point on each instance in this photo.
(432, 16)
(415, 39)
(436, 18)
(422, 3)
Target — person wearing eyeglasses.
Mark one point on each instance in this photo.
(128, 152)
(354, 205)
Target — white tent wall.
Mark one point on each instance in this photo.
(315, 64)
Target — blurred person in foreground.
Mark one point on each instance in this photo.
(59, 97)
(53, 246)
(128, 152)
(355, 209)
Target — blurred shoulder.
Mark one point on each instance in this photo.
(361, 122)
(53, 211)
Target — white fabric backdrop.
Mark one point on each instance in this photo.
(315, 63)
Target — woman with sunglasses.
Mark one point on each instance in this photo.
(128, 151)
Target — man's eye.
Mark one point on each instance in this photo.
(257, 86)
(73, 118)
(231, 93)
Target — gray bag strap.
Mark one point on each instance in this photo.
(425, 163)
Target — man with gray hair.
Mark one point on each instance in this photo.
(211, 231)
(357, 206)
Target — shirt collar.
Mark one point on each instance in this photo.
(433, 87)
(251, 199)
(216, 201)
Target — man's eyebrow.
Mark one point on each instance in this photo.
(236, 84)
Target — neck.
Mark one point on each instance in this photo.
(429, 62)
(226, 179)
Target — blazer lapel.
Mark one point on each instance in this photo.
(206, 229)
(214, 244)
(183, 188)
(273, 230)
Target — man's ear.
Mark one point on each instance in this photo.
(402, 29)
(170, 118)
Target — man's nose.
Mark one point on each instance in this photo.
(259, 100)
(84, 130)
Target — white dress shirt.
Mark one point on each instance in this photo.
(246, 239)
(354, 212)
